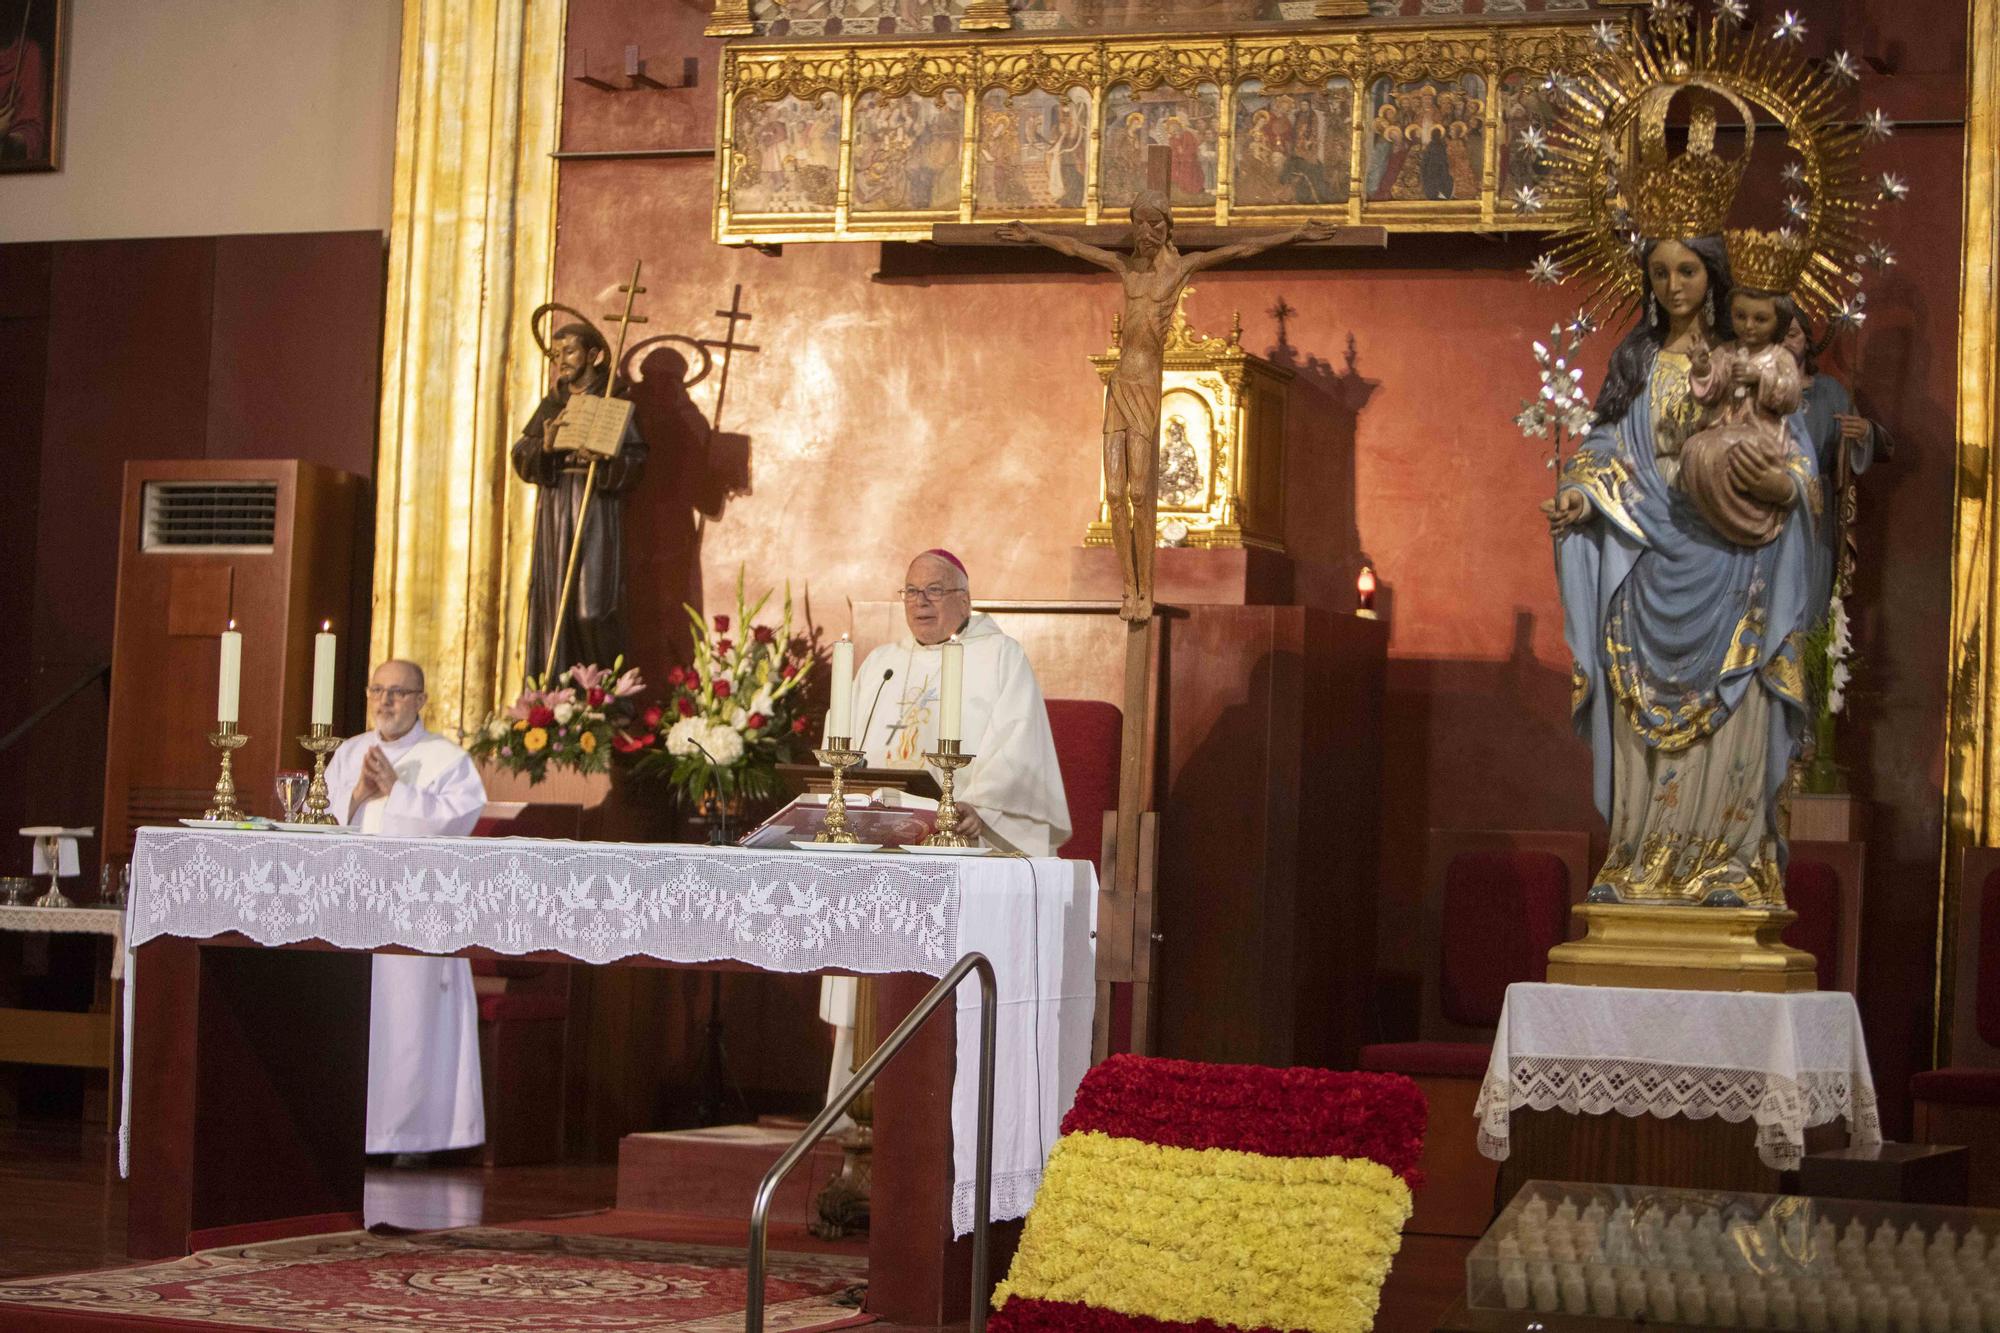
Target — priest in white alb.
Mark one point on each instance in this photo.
(423, 1029)
(1011, 794)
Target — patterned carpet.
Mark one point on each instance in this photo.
(473, 1280)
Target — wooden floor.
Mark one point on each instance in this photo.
(62, 1209)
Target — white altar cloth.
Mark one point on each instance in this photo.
(783, 911)
(71, 921)
(1789, 1062)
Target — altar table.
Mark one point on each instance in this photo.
(1787, 1062)
(248, 1072)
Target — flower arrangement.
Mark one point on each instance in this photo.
(1217, 1196)
(735, 714)
(574, 723)
(1828, 658)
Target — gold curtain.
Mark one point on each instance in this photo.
(471, 254)
(1972, 782)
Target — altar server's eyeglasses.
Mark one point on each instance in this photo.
(393, 693)
(930, 592)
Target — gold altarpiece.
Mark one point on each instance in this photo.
(1221, 458)
(874, 141)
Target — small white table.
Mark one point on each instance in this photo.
(1788, 1062)
(87, 1040)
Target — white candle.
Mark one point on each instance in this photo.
(951, 686)
(839, 711)
(323, 673)
(232, 675)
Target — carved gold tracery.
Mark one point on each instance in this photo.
(1017, 67)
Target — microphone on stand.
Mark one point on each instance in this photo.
(863, 737)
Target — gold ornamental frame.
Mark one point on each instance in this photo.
(837, 75)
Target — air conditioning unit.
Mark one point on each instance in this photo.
(277, 547)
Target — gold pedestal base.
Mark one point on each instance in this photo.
(1683, 948)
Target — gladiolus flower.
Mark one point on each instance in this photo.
(764, 634)
(651, 717)
(677, 676)
(722, 624)
(798, 725)
(788, 671)
(755, 721)
(686, 707)
(541, 716)
(724, 647)
(722, 689)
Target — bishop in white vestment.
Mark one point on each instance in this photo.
(423, 1029)
(1013, 787)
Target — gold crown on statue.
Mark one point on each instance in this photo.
(1689, 193)
(1766, 261)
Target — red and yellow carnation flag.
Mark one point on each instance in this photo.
(1188, 1196)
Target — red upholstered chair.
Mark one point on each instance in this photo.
(1961, 1102)
(523, 1011)
(1499, 902)
(1088, 733)
(1823, 885)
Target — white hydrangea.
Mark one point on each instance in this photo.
(723, 743)
(683, 734)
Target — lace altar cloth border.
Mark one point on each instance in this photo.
(71, 921)
(1788, 1062)
(782, 911)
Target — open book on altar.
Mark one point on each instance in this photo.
(880, 819)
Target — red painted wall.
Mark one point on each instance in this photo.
(884, 415)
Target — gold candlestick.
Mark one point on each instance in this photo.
(947, 760)
(838, 757)
(320, 743)
(227, 739)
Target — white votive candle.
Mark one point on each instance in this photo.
(840, 702)
(951, 687)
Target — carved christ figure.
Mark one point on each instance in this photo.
(1153, 275)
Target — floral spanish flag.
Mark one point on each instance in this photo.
(1187, 1196)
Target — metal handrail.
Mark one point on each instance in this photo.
(753, 1314)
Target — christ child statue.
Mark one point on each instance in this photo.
(1736, 467)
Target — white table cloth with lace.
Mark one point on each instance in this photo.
(71, 921)
(783, 911)
(1788, 1062)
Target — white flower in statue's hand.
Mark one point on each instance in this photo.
(723, 743)
(683, 734)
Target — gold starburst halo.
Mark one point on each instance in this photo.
(1610, 176)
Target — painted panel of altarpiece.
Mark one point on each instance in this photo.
(1294, 146)
(785, 155)
(908, 153)
(819, 20)
(1033, 151)
(1524, 104)
(1187, 124)
(1427, 140)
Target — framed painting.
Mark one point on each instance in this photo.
(785, 154)
(908, 152)
(1033, 150)
(1294, 146)
(1185, 123)
(32, 34)
(1427, 140)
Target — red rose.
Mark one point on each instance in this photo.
(722, 689)
(724, 647)
(754, 721)
(787, 671)
(764, 634)
(722, 624)
(798, 725)
(651, 717)
(686, 707)
(541, 716)
(595, 698)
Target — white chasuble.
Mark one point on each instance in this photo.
(1013, 780)
(423, 1027)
